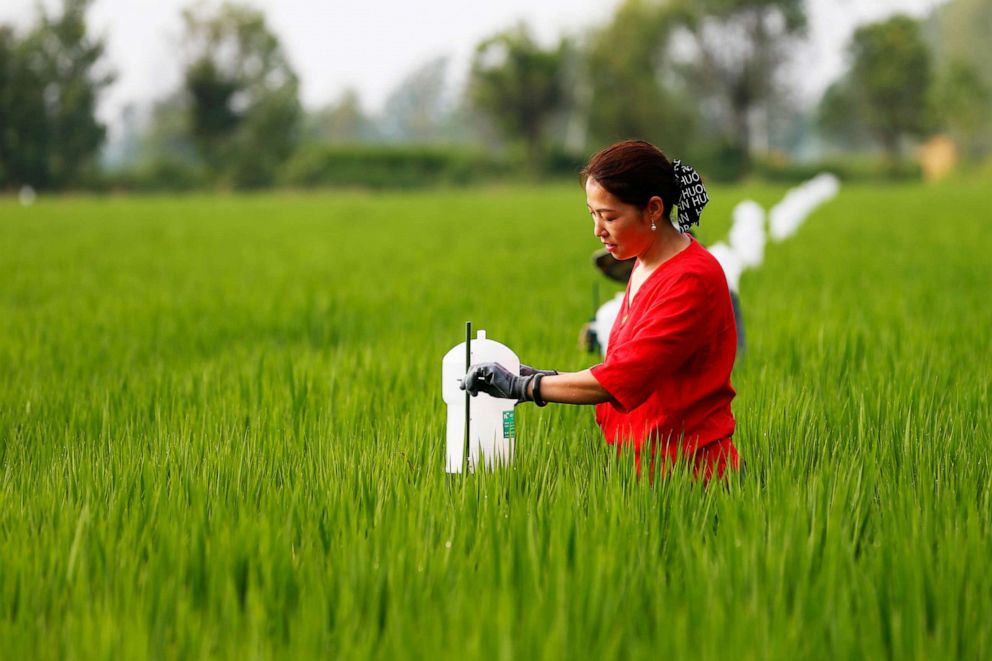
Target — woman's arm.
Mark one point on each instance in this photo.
(572, 388)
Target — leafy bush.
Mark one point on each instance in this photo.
(171, 175)
(851, 169)
(389, 166)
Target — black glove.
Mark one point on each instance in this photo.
(527, 370)
(497, 381)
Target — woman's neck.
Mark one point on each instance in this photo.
(668, 243)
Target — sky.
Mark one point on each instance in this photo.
(370, 45)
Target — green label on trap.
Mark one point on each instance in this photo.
(509, 428)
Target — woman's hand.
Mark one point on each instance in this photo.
(497, 381)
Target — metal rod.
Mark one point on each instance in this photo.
(468, 397)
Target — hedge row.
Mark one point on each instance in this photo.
(382, 166)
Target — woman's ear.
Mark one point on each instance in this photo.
(655, 209)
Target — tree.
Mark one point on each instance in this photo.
(71, 61)
(416, 110)
(891, 78)
(965, 106)
(50, 82)
(342, 122)
(213, 118)
(243, 95)
(520, 86)
(630, 94)
(836, 118)
(960, 33)
(730, 55)
(168, 156)
(963, 31)
(23, 125)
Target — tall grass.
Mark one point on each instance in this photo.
(221, 434)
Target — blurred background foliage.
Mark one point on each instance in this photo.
(707, 80)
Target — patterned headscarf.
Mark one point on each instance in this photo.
(692, 196)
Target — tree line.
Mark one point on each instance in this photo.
(707, 79)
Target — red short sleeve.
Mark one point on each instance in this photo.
(665, 334)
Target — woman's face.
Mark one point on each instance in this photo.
(624, 229)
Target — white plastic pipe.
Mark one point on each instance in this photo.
(730, 262)
(747, 234)
(605, 316)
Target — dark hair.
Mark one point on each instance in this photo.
(634, 171)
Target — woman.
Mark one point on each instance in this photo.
(665, 379)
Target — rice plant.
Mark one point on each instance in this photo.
(221, 434)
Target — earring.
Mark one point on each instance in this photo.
(653, 228)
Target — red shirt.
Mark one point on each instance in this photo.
(669, 358)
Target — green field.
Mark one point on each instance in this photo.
(221, 435)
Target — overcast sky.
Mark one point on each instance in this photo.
(370, 45)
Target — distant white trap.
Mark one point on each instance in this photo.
(26, 196)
